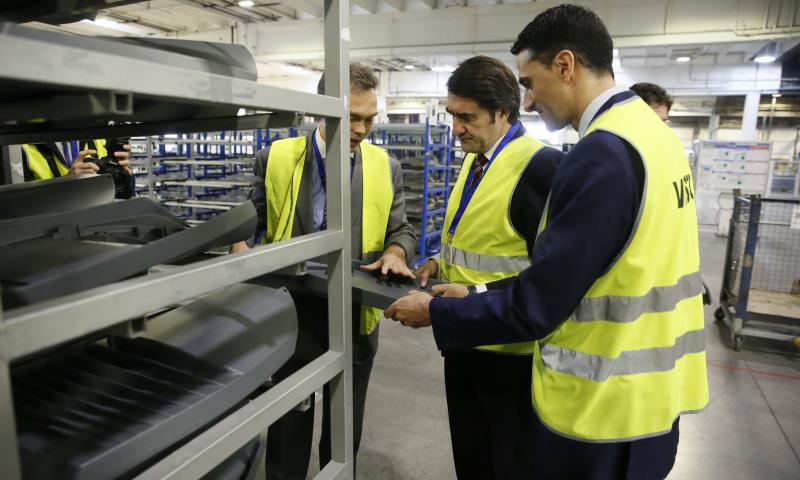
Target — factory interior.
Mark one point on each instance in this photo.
(177, 295)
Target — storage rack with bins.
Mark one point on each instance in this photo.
(201, 175)
(195, 175)
(424, 150)
(29, 331)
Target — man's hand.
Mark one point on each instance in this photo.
(123, 158)
(239, 247)
(411, 310)
(450, 290)
(429, 269)
(393, 260)
(81, 167)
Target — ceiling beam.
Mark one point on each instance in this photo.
(124, 18)
(310, 7)
(215, 10)
(369, 5)
(396, 5)
(494, 29)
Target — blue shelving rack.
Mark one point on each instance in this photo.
(425, 151)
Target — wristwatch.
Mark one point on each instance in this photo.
(471, 289)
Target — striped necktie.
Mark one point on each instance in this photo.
(478, 168)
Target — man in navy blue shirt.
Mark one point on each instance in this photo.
(564, 57)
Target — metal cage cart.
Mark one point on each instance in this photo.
(424, 150)
(760, 295)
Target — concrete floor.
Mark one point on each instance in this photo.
(750, 430)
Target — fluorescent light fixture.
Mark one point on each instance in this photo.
(247, 3)
(683, 59)
(443, 68)
(409, 67)
(776, 95)
(766, 54)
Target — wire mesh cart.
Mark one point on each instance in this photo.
(760, 295)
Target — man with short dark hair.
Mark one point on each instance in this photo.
(613, 295)
(289, 195)
(656, 97)
(489, 230)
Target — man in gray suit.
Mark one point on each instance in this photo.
(381, 238)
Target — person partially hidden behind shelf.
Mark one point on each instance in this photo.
(381, 234)
(43, 161)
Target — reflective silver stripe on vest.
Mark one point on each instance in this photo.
(484, 263)
(627, 309)
(599, 368)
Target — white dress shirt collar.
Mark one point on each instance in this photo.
(594, 107)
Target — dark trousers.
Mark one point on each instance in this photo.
(289, 439)
(491, 417)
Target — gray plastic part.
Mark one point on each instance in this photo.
(49, 266)
(55, 12)
(73, 115)
(199, 361)
(54, 196)
(368, 288)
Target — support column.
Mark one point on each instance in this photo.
(713, 126)
(383, 98)
(750, 116)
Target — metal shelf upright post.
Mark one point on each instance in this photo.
(32, 330)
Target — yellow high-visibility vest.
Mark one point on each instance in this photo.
(631, 358)
(282, 183)
(485, 247)
(98, 145)
(38, 165)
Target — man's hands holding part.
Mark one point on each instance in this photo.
(426, 271)
(413, 309)
(393, 261)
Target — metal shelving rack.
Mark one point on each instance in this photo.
(31, 330)
(195, 175)
(424, 151)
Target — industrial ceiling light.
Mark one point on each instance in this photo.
(683, 59)
(776, 95)
(409, 67)
(767, 54)
(247, 3)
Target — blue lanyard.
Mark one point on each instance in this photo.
(321, 163)
(469, 190)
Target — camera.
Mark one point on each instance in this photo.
(108, 165)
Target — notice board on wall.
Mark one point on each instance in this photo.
(723, 166)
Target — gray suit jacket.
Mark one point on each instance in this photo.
(398, 231)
